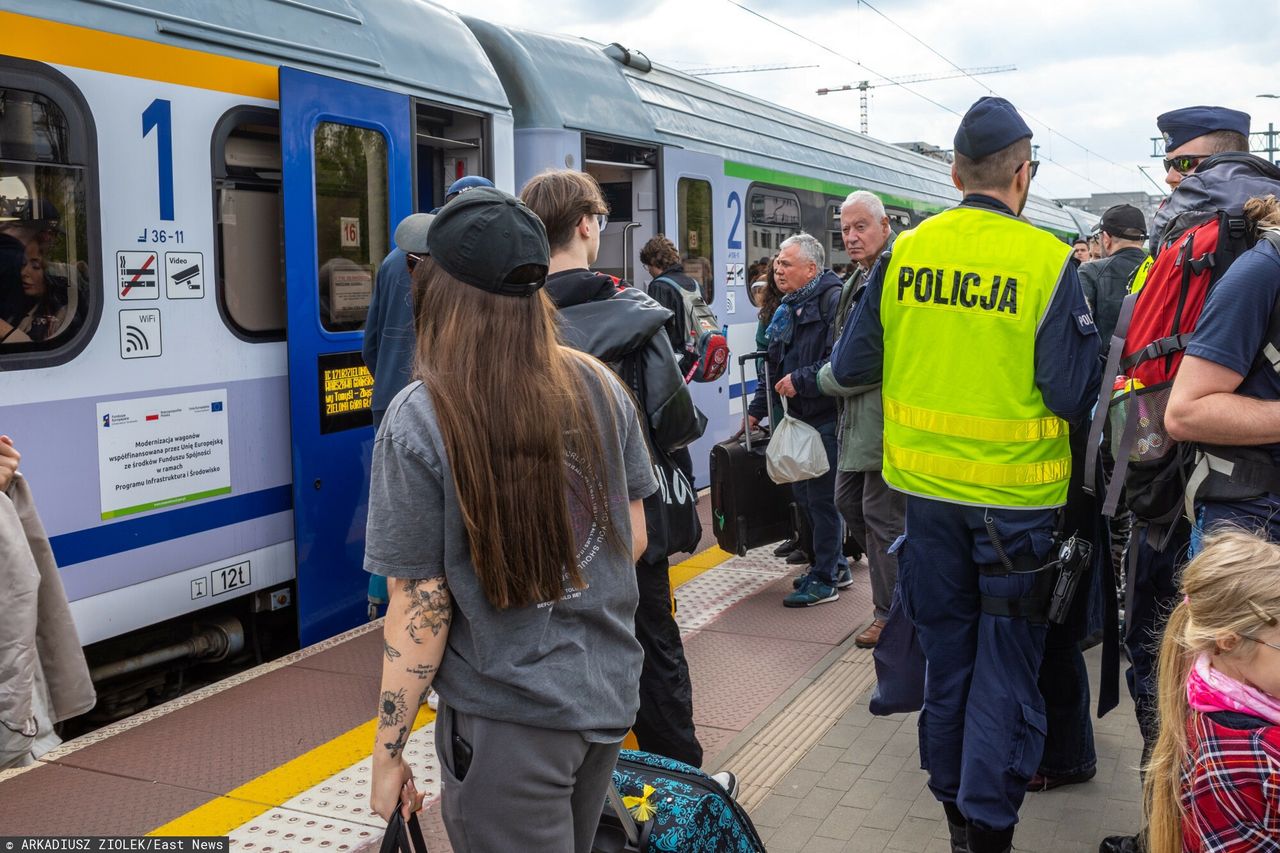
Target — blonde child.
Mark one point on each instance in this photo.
(1213, 782)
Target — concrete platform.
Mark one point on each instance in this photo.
(860, 789)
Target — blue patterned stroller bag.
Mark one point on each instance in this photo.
(659, 805)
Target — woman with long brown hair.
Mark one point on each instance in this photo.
(1213, 780)
(505, 508)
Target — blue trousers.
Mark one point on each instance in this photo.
(983, 724)
(817, 500)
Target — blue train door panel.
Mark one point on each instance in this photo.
(347, 181)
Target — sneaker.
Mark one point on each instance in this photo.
(810, 593)
(785, 548)
(728, 781)
(798, 557)
(844, 577)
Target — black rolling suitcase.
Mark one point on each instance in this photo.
(747, 508)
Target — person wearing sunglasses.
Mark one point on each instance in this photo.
(1194, 134)
(967, 361)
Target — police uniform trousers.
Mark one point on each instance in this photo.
(1151, 591)
(982, 727)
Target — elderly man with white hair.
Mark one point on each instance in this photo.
(801, 335)
(873, 511)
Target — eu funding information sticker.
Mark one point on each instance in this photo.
(157, 452)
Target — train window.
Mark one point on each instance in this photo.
(773, 215)
(899, 219)
(351, 220)
(249, 228)
(48, 303)
(694, 213)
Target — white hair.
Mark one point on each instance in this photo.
(808, 246)
(869, 200)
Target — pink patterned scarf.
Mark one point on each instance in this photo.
(1210, 690)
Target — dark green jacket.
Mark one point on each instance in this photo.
(861, 435)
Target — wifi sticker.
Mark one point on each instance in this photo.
(140, 333)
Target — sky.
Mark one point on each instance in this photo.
(1091, 74)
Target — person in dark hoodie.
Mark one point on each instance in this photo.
(625, 329)
(801, 334)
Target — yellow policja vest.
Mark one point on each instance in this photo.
(964, 422)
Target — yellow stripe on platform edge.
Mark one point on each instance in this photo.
(276, 787)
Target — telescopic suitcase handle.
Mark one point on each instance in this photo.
(742, 378)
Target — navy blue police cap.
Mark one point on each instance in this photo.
(1178, 127)
(469, 182)
(990, 125)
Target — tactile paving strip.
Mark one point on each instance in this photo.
(784, 741)
(334, 815)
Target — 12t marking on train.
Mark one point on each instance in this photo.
(222, 581)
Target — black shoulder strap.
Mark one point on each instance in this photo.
(1104, 395)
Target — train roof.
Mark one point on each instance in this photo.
(423, 48)
(557, 81)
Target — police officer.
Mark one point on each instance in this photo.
(976, 325)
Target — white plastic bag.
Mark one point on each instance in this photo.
(795, 451)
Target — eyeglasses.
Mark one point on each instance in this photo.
(1261, 642)
(602, 219)
(1184, 163)
(1033, 166)
(413, 259)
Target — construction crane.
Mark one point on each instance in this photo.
(740, 69)
(864, 85)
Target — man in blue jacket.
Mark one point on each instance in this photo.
(800, 339)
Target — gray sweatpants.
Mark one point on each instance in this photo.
(527, 789)
(875, 514)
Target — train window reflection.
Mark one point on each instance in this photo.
(44, 270)
(694, 212)
(250, 236)
(351, 220)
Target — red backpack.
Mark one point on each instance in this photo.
(1155, 325)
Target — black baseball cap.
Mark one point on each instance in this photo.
(491, 240)
(1124, 221)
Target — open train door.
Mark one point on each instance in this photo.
(705, 223)
(347, 180)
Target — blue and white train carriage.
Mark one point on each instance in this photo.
(194, 199)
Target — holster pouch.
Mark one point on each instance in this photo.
(1033, 606)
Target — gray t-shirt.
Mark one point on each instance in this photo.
(571, 664)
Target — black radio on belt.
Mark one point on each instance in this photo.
(1073, 564)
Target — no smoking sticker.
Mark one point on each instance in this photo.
(138, 275)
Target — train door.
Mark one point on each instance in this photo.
(703, 231)
(628, 175)
(348, 177)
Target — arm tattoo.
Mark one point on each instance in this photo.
(430, 608)
(395, 747)
(392, 709)
(390, 651)
(422, 670)
(422, 697)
